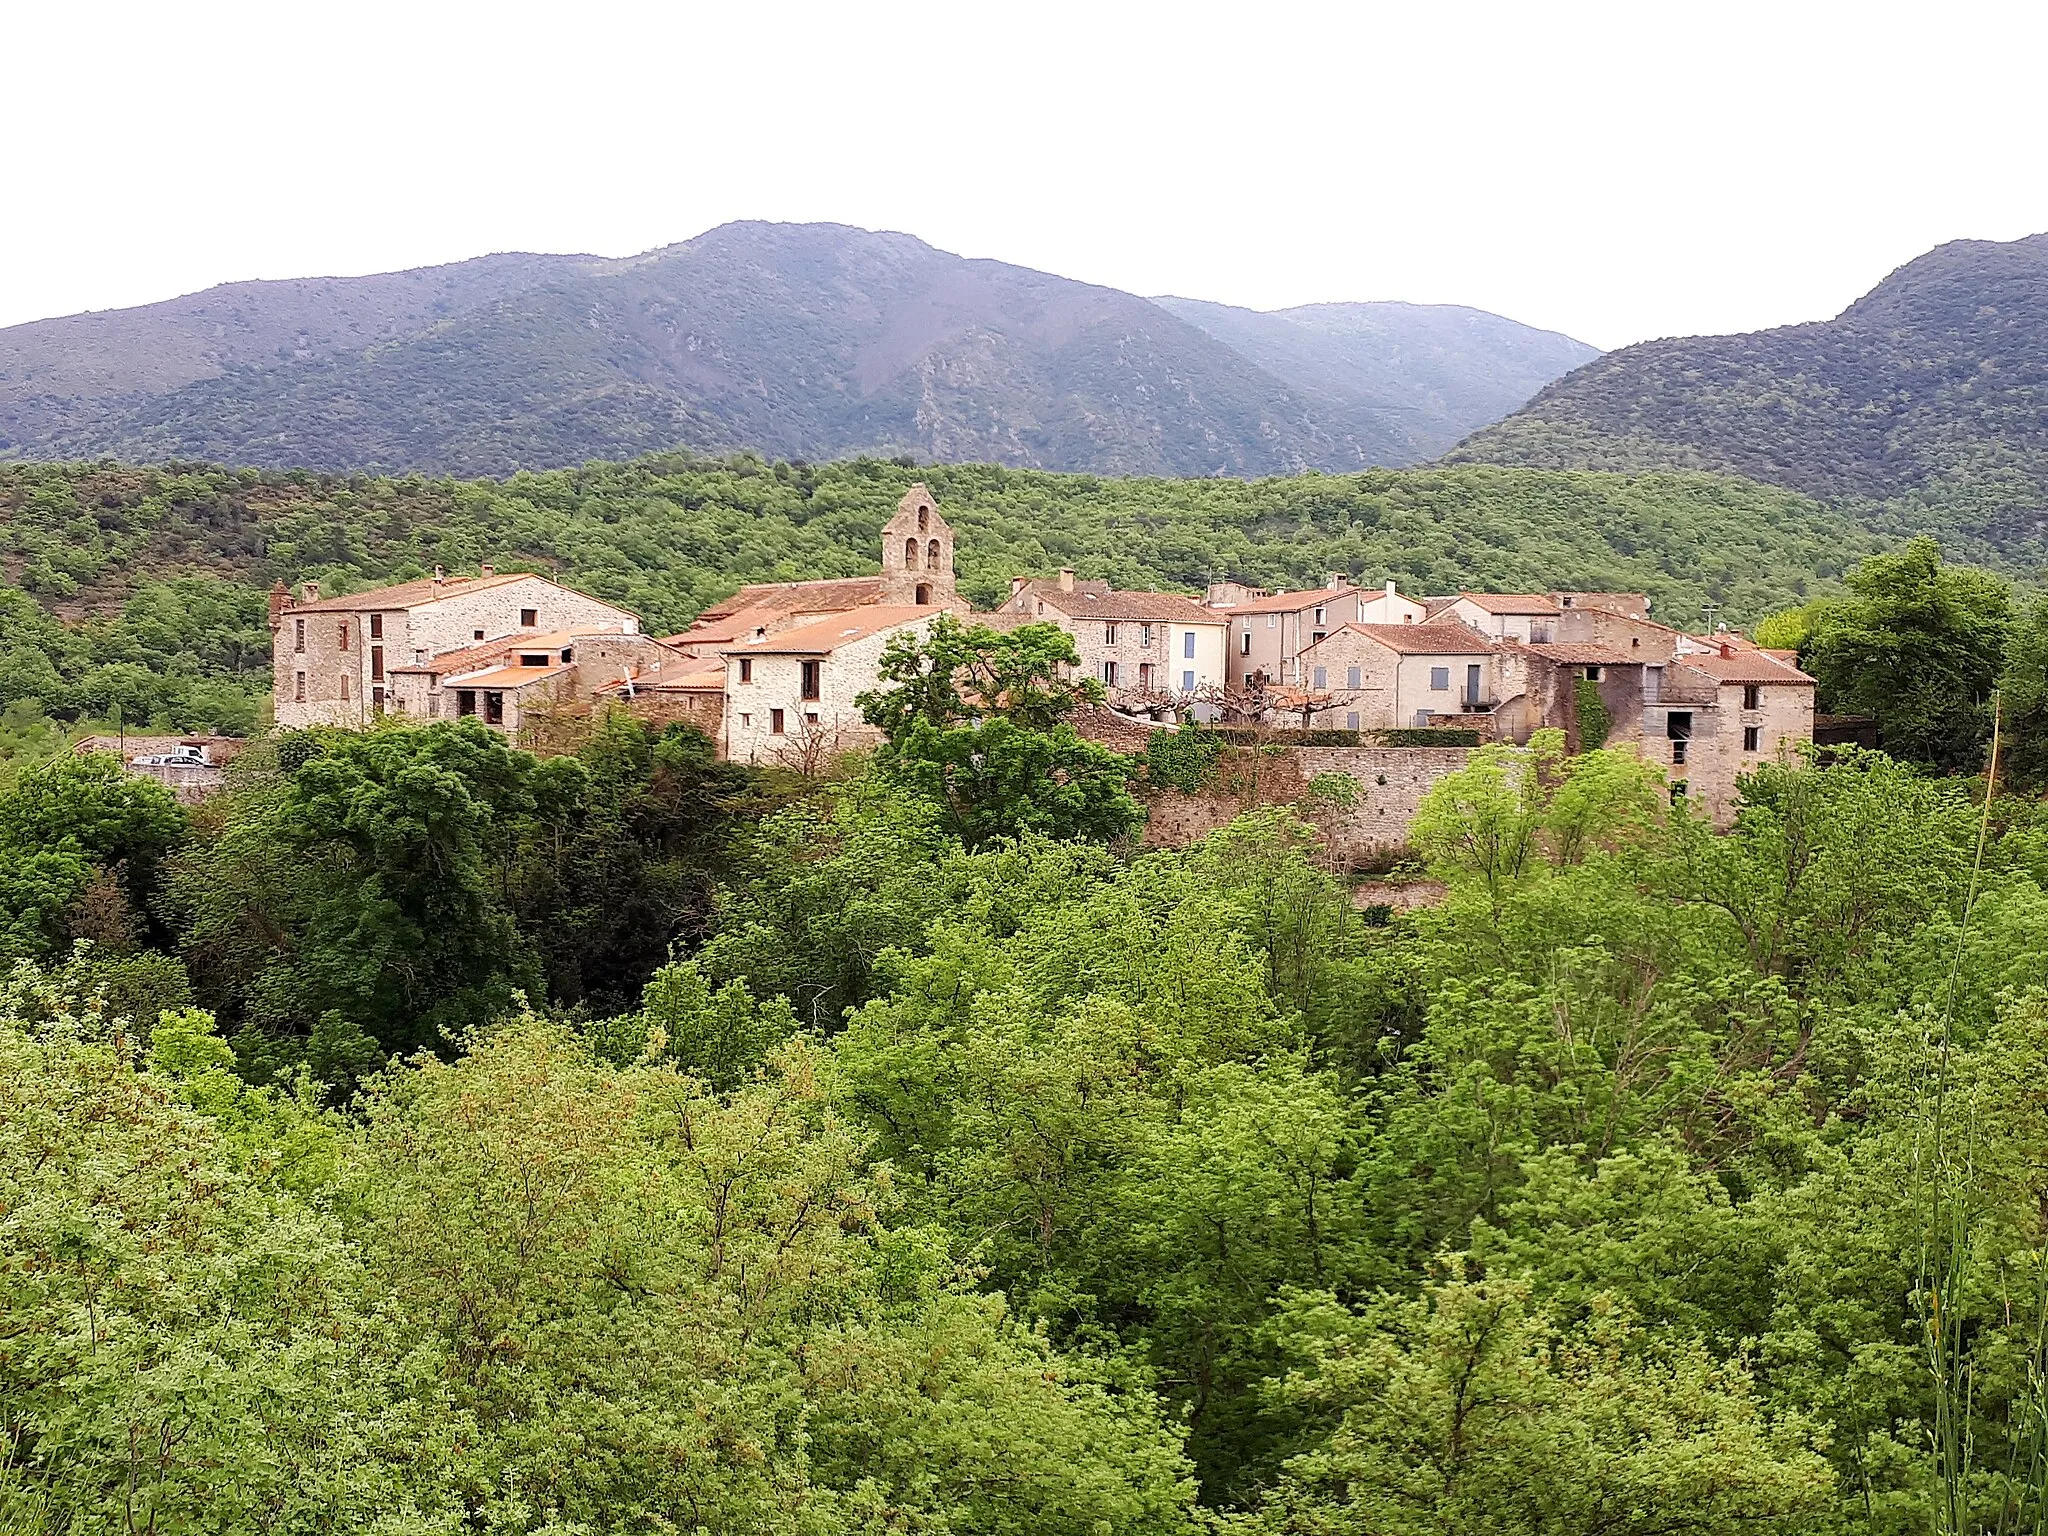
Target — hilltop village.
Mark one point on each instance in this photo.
(773, 672)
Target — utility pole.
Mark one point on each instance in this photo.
(1708, 610)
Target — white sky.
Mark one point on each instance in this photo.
(1617, 171)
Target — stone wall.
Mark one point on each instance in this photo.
(1391, 780)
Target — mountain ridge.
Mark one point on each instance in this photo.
(794, 340)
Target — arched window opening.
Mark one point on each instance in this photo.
(924, 595)
(924, 519)
(910, 554)
(931, 560)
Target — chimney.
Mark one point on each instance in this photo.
(280, 599)
(311, 589)
(1727, 651)
(1066, 578)
(439, 575)
(1017, 584)
(1338, 580)
(487, 569)
(1391, 593)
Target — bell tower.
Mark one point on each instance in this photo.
(917, 554)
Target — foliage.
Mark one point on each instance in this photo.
(1591, 713)
(978, 722)
(1183, 759)
(1917, 646)
(65, 819)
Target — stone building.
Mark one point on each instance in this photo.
(1718, 715)
(1525, 616)
(504, 682)
(1382, 676)
(1144, 647)
(1269, 632)
(332, 658)
(791, 696)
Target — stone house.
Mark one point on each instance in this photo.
(1528, 617)
(332, 658)
(1541, 687)
(1381, 676)
(1268, 633)
(1718, 715)
(505, 682)
(792, 694)
(1141, 646)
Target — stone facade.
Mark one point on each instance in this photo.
(1140, 646)
(791, 696)
(1706, 730)
(1505, 616)
(1391, 782)
(1382, 676)
(917, 555)
(1267, 634)
(332, 659)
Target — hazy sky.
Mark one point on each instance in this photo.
(1614, 171)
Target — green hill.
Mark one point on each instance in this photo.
(813, 341)
(143, 588)
(1930, 393)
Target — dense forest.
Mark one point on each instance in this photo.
(1921, 405)
(141, 590)
(424, 1137)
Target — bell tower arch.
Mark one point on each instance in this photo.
(917, 554)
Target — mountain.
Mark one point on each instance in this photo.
(811, 341)
(1424, 372)
(1930, 391)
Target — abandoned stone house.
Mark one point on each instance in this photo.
(333, 659)
(1145, 648)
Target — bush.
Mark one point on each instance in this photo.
(1184, 759)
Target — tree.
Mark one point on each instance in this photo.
(65, 819)
(1917, 646)
(978, 721)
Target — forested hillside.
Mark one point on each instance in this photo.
(1929, 393)
(143, 589)
(800, 340)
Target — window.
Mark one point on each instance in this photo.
(924, 519)
(810, 680)
(1144, 677)
(910, 554)
(376, 626)
(1145, 636)
(377, 701)
(299, 636)
(476, 634)
(1351, 677)
(1677, 791)
(1317, 638)
(1592, 674)
(299, 688)
(1244, 646)
(1319, 616)
(1539, 634)
(529, 618)
(344, 687)
(746, 669)
(1109, 673)
(376, 663)
(1565, 601)
(810, 717)
(923, 595)
(1351, 720)
(931, 556)
(1272, 619)
(1678, 751)
(1322, 678)
(494, 707)
(1109, 634)
(746, 721)
(533, 658)
(1187, 682)
(1752, 696)
(1187, 646)
(341, 634)
(1439, 679)
(568, 654)
(465, 701)
(1752, 738)
(775, 722)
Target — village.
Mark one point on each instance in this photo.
(772, 673)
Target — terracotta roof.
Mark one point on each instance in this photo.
(1751, 666)
(1049, 586)
(511, 677)
(827, 636)
(1517, 603)
(1579, 654)
(1168, 607)
(488, 650)
(1440, 639)
(830, 596)
(1288, 602)
(663, 682)
(413, 594)
(1001, 623)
